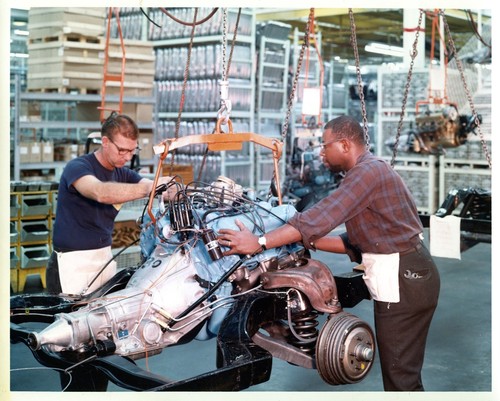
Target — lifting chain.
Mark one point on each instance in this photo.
(466, 88)
(296, 76)
(225, 70)
(413, 55)
(354, 44)
(225, 103)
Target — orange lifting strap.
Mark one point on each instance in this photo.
(217, 141)
(112, 77)
(431, 98)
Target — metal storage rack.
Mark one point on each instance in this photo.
(202, 101)
(421, 176)
(31, 219)
(272, 100)
(48, 129)
(391, 85)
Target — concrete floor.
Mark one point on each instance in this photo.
(458, 357)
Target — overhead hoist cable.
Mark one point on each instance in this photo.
(413, 55)
(192, 24)
(291, 98)
(466, 88)
(225, 73)
(184, 85)
(473, 24)
(354, 44)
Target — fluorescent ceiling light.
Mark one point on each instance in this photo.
(387, 50)
(19, 55)
(21, 32)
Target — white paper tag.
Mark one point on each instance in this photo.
(445, 236)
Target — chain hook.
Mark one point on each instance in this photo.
(225, 103)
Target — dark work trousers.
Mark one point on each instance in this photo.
(402, 327)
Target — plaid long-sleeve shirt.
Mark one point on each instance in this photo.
(377, 208)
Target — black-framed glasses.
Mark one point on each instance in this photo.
(122, 151)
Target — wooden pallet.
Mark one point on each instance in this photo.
(68, 48)
(140, 113)
(67, 45)
(52, 23)
(140, 59)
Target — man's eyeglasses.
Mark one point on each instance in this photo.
(122, 151)
(323, 145)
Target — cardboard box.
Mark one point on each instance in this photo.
(35, 152)
(24, 152)
(47, 152)
(146, 142)
(184, 171)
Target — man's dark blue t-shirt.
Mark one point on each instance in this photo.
(83, 223)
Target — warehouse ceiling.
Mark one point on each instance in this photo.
(383, 25)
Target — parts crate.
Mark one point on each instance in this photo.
(420, 175)
(14, 257)
(35, 204)
(34, 256)
(14, 205)
(459, 173)
(34, 231)
(14, 233)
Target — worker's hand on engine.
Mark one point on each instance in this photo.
(241, 242)
(172, 187)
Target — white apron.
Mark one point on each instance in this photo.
(78, 268)
(381, 276)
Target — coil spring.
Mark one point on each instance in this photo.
(305, 328)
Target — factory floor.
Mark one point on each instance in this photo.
(458, 356)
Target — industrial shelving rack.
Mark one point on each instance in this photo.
(63, 128)
(31, 218)
(272, 95)
(200, 118)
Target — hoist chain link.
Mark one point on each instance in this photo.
(354, 44)
(466, 88)
(224, 43)
(225, 104)
(413, 55)
(296, 76)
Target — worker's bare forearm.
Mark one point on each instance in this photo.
(283, 235)
(117, 192)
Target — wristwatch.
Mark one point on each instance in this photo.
(262, 242)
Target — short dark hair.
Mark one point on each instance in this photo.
(346, 127)
(128, 128)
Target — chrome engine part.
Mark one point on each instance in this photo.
(182, 261)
